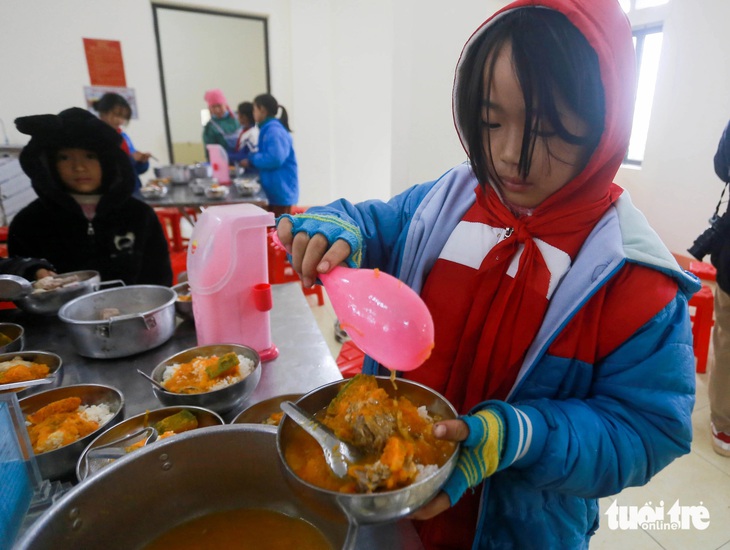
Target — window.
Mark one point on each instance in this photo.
(648, 45)
(631, 5)
(647, 18)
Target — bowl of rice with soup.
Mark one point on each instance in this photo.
(23, 366)
(61, 422)
(218, 377)
(391, 423)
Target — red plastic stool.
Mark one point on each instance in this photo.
(170, 219)
(703, 270)
(350, 359)
(281, 271)
(702, 321)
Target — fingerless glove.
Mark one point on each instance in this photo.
(332, 228)
(480, 453)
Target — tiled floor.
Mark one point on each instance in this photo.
(701, 478)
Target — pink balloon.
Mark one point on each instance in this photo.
(385, 317)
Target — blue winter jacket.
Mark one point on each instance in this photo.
(277, 164)
(575, 432)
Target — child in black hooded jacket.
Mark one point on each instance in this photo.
(85, 216)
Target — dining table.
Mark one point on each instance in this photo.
(181, 195)
(304, 363)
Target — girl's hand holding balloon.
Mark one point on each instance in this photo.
(311, 256)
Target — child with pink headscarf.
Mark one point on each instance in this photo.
(223, 127)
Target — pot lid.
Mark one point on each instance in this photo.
(13, 287)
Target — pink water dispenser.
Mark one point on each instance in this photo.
(229, 279)
(219, 163)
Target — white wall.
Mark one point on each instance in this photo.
(676, 186)
(368, 89)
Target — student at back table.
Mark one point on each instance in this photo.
(85, 216)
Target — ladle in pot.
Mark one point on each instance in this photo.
(338, 454)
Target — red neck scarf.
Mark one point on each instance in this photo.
(505, 312)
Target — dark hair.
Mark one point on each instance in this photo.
(110, 101)
(269, 103)
(246, 109)
(553, 62)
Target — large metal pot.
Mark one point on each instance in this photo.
(145, 319)
(177, 479)
(177, 173)
(48, 303)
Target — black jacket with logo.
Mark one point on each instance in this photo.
(124, 240)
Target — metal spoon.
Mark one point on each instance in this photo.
(338, 454)
(27, 383)
(98, 457)
(155, 382)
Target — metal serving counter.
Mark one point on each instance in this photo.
(304, 363)
(304, 360)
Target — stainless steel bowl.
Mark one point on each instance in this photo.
(153, 192)
(216, 192)
(51, 360)
(261, 411)
(247, 187)
(146, 320)
(220, 401)
(173, 481)
(61, 463)
(374, 507)
(183, 308)
(16, 333)
(177, 173)
(131, 425)
(201, 170)
(48, 303)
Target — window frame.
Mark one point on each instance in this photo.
(639, 33)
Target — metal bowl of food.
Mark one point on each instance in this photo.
(21, 366)
(267, 411)
(216, 191)
(97, 404)
(49, 294)
(199, 185)
(167, 421)
(153, 190)
(379, 506)
(247, 186)
(12, 337)
(188, 476)
(184, 300)
(119, 322)
(221, 384)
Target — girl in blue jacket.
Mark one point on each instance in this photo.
(275, 159)
(562, 332)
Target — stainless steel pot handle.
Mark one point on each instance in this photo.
(112, 283)
(105, 330)
(150, 321)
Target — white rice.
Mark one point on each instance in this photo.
(101, 413)
(245, 367)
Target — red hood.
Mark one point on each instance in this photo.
(605, 26)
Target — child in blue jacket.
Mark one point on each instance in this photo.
(275, 159)
(562, 333)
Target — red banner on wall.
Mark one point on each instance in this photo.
(106, 66)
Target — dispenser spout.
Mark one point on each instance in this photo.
(262, 297)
